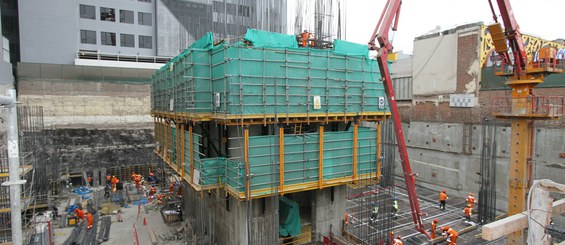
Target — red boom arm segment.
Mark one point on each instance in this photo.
(391, 13)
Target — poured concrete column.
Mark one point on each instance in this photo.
(14, 181)
(327, 213)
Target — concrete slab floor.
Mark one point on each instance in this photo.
(123, 232)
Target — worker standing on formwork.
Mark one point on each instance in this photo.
(434, 228)
(374, 213)
(304, 38)
(398, 241)
(471, 201)
(114, 182)
(451, 235)
(394, 208)
(442, 199)
(467, 211)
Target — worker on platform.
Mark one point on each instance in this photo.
(471, 201)
(467, 211)
(89, 179)
(151, 177)
(304, 38)
(451, 235)
(79, 214)
(114, 182)
(434, 228)
(88, 220)
(442, 199)
(374, 213)
(137, 181)
(397, 241)
(394, 208)
(152, 190)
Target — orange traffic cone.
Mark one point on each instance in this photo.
(144, 221)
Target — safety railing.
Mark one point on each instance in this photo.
(540, 65)
(532, 106)
(93, 55)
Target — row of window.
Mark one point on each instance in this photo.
(109, 14)
(109, 38)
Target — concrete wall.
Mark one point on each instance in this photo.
(434, 65)
(445, 156)
(50, 30)
(327, 215)
(6, 77)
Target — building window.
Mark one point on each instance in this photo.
(127, 40)
(145, 42)
(108, 38)
(87, 37)
(145, 1)
(87, 12)
(107, 14)
(144, 18)
(126, 16)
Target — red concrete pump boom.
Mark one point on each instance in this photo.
(391, 13)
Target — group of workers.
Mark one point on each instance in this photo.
(468, 210)
(81, 216)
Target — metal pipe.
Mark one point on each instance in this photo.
(14, 181)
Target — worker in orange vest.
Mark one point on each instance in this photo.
(398, 241)
(115, 181)
(442, 198)
(304, 38)
(79, 214)
(89, 179)
(451, 235)
(433, 228)
(137, 180)
(152, 191)
(471, 201)
(88, 219)
(467, 211)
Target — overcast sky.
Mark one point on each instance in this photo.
(542, 18)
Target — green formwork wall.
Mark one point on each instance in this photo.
(267, 81)
(301, 160)
(238, 79)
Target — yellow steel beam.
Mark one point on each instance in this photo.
(281, 160)
(355, 139)
(182, 148)
(246, 160)
(191, 148)
(379, 143)
(519, 174)
(321, 158)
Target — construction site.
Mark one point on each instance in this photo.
(261, 122)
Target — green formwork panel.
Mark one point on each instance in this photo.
(263, 156)
(301, 154)
(267, 81)
(269, 78)
(338, 155)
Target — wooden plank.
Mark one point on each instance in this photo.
(153, 237)
(515, 222)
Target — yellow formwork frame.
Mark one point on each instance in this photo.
(246, 160)
(166, 141)
(379, 159)
(321, 159)
(355, 139)
(191, 141)
(182, 149)
(281, 160)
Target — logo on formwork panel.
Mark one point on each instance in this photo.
(317, 102)
(381, 102)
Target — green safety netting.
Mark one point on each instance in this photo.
(289, 216)
(271, 77)
(349, 48)
(261, 39)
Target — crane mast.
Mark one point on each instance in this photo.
(522, 75)
(388, 20)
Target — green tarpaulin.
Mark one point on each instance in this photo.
(270, 39)
(349, 48)
(289, 216)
